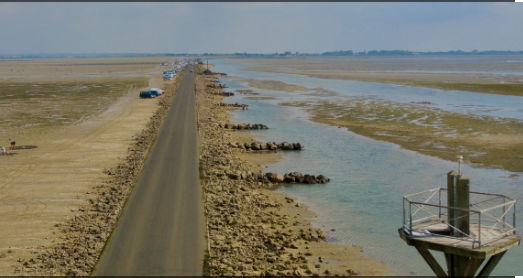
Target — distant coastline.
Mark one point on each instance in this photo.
(264, 55)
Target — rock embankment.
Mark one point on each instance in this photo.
(243, 126)
(225, 94)
(239, 105)
(276, 178)
(217, 86)
(260, 146)
(85, 234)
(247, 233)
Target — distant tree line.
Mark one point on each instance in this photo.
(85, 55)
(338, 53)
(263, 55)
(408, 52)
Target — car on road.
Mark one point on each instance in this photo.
(147, 94)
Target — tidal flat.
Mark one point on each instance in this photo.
(370, 176)
(486, 141)
(501, 75)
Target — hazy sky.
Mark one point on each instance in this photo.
(257, 27)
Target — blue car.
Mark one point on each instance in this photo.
(147, 94)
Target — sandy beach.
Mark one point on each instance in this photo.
(43, 187)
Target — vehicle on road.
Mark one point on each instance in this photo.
(147, 94)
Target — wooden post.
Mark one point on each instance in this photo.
(427, 256)
(491, 264)
(462, 264)
(463, 201)
(451, 182)
(452, 177)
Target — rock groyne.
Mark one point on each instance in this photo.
(276, 178)
(273, 146)
(243, 126)
(239, 105)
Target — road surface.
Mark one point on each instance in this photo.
(161, 229)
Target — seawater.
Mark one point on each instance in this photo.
(363, 201)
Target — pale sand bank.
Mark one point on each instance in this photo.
(46, 185)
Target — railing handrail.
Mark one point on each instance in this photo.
(507, 205)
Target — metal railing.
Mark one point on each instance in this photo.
(488, 216)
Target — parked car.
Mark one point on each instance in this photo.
(159, 91)
(147, 94)
(155, 93)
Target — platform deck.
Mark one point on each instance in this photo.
(493, 240)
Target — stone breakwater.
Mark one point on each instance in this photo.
(247, 233)
(274, 178)
(225, 94)
(220, 86)
(247, 92)
(243, 126)
(261, 146)
(85, 234)
(239, 105)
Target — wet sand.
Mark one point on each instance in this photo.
(374, 69)
(484, 141)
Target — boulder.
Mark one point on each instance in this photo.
(323, 179)
(286, 146)
(278, 178)
(255, 146)
(289, 178)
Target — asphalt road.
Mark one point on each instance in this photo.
(162, 227)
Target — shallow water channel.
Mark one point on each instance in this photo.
(363, 201)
